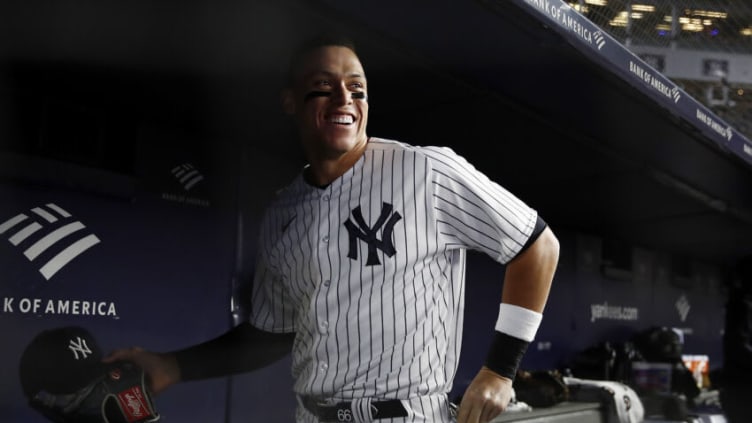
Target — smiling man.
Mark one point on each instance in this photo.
(327, 96)
(361, 263)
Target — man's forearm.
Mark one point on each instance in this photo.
(242, 349)
(526, 286)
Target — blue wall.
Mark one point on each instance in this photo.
(169, 259)
(159, 279)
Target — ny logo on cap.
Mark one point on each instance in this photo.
(78, 346)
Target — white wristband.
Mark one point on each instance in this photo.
(518, 321)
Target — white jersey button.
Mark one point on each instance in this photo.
(325, 239)
(326, 198)
(324, 326)
(323, 367)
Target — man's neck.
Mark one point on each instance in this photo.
(323, 172)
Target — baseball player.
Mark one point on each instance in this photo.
(360, 268)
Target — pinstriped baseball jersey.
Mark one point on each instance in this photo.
(369, 271)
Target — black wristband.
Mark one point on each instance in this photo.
(505, 354)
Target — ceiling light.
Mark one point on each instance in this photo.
(619, 20)
(643, 8)
(708, 13)
(692, 27)
(623, 15)
(596, 2)
(579, 7)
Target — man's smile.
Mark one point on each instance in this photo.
(340, 119)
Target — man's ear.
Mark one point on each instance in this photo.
(288, 101)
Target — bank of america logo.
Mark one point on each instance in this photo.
(187, 175)
(600, 40)
(675, 94)
(42, 230)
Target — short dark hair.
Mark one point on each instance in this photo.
(325, 39)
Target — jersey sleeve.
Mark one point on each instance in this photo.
(475, 212)
(272, 309)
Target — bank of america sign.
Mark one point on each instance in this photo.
(48, 227)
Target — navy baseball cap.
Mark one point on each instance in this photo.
(60, 361)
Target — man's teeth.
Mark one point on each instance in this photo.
(345, 119)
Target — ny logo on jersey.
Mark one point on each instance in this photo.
(362, 231)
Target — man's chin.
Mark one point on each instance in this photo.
(340, 144)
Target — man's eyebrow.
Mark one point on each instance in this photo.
(332, 74)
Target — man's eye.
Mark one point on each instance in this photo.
(356, 85)
(322, 83)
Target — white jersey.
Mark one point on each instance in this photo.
(369, 271)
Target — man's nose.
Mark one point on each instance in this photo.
(341, 95)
